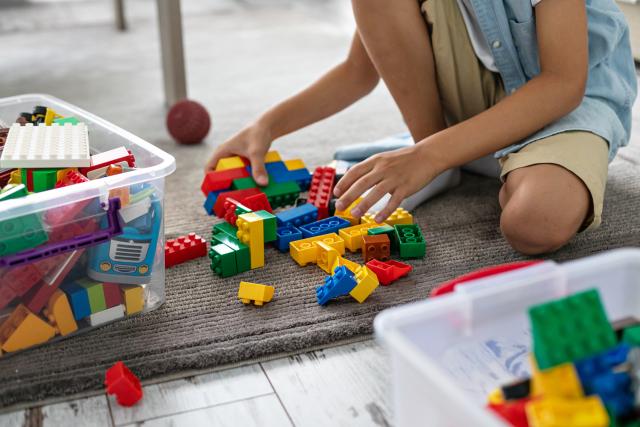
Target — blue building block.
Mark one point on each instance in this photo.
(211, 200)
(279, 173)
(300, 215)
(324, 226)
(341, 283)
(79, 300)
(285, 235)
(602, 363)
(301, 176)
(614, 388)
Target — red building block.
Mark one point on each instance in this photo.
(239, 195)
(513, 412)
(257, 202)
(119, 380)
(230, 206)
(101, 161)
(112, 294)
(321, 189)
(17, 281)
(221, 180)
(183, 249)
(388, 271)
(71, 177)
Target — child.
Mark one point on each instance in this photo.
(547, 85)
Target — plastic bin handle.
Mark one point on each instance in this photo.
(450, 286)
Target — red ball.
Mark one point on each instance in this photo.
(188, 122)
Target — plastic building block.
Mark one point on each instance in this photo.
(302, 177)
(46, 146)
(65, 120)
(326, 257)
(353, 235)
(257, 202)
(590, 368)
(376, 247)
(223, 260)
(268, 225)
(281, 194)
(107, 315)
(226, 228)
(516, 390)
(631, 335)
(305, 251)
(239, 195)
(51, 116)
(251, 233)
(233, 208)
(560, 381)
(243, 183)
(346, 214)
(69, 177)
(133, 297)
(570, 328)
(38, 180)
(272, 156)
(300, 215)
(95, 294)
(382, 229)
(19, 234)
(210, 201)
(512, 412)
(341, 283)
(495, 397)
(294, 164)
(367, 282)
(221, 180)
(112, 296)
(255, 292)
(101, 161)
(614, 389)
(285, 235)
(388, 271)
(230, 163)
(411, 244)
(58, 312)
(24, 329)
(240, 251)
(321, 189)
(13, 191)
(184, 248)
(15, 177)
(328, 225)
(16, 281)
(353, 266)
(119, 380)
(399, 216)
(587, 412)
(79, 300)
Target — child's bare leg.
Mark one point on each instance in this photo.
(397, 41)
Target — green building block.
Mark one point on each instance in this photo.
(13, 191)
(631, 335)
(95, 292)
(64, 120)
(223, 260)
(43, 179)
(226, 228)
(389, 231)
(240, 250)
(243, 183)
(21, 233)
(240, 209)
(410, 242)
(281, 194)
(569, 329)
(269, 225)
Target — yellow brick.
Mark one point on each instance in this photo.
(251, 233)
(62, 172)
(326, 257)
(294, 164)
(59, 314)
(353, 235)
(346, 214)
(133, 297)
(272, 156)
(399, 216)
(229, 163)
(367, 282)
(496, 397)
(368, 219)
(24, 329)
(305, 251)
(353, 266)
(553, 412)
(255, 292)
(15, 177)
(561, 381)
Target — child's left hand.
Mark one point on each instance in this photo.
(400, 173)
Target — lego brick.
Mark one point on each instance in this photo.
(352, 266)
(614, 389)
(326, 257)
(353, 235)
(122, 383)
(255, 292)
(210, 201)
(321, 189)
(281, 194)
(17, 281)
(24, 329)
(560, 381)
(304, 251)
(294, 164)
(101, 161)
(223, 260)
(240, 251)
(234, 162)
(411, 244)
(107, 315)
(133, 297)
(337, 285)
(65, 120)
(13, 191)
(226, 228)
(567, 413)
(38, 180)
(297, 216)
(346, 214)
(285, 235)
(251, 233)
(68, 177)
(238, 195)
(512, 412)
(328, 225)
(268, 224)
(44, 146)
(631, 335)
(367, 282)
(230, 206)
(243, 183)
(302, 177)
(397, 217)
(257, 202)
(16, 177)
(183, 249)
(78, 298)
(515, 390)
(272, 156)
(112, 296)
(376, 247)
(21, 233)
(58, 312)
(561, 335)
(95, 294)
(389, 271)
(495, 397)
(381, 229)
(221, 180)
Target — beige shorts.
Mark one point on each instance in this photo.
(467, 88)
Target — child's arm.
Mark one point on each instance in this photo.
(555, 92)
(336, 90)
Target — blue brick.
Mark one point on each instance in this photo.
(614, 389)
(591, 367)
(79, 300)
(279, 173)
(341, 283)
(285, 235)
(301, 176)
(211, 200)
(300, 215)
(324, 226)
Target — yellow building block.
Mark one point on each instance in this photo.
(346, 214)
(561, 381)
(353, 266)
(255, 292)
(272, 156)
(49, 116)
(326, 257)
(23, 329)
(367, 282)
(15, 177)
(294, 164)
(229, 163)
(133, 297)
(251, 233)
(62, 172)
(353, 235)
(495, 397)
(399, 216)
(59, 314)
(305, 251)
(553, 412)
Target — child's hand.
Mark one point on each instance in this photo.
(253, 142)
(400, 173)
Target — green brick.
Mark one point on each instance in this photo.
(226, 228)
(95, 293)
(410, 241)
(243, 183)
(241, 209)
(64, 120)
(240, 250)
(281, 194)
(21, 233)
(43, 179)
(389, 231)
(269, 225)
(13, 191)
(631, 335)
(569, 329)
(223, 260)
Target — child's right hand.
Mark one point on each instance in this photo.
(252, 142)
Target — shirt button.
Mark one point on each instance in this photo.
(496, 44)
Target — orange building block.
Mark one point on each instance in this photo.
(23, 329)
(59, 314)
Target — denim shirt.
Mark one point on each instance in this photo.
(510, 29)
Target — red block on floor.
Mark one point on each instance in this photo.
(112, 295)
(119, 380)
(389, 271)
(183, 249)
(239, 195)
(321, 189)
(221, 180)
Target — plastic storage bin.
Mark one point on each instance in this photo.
(95, 249)
(448, 353)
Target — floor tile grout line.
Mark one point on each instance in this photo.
(113, 421)
(284, 408)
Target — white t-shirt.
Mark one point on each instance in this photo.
(479, 43)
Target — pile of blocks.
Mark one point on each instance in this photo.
(585, 371)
